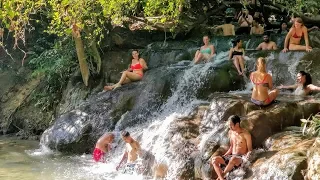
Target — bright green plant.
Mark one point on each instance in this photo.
(311, 126)
(55, 66)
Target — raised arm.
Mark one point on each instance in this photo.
(286, 41)
(287, 87)
(143, 64)
(313, 87)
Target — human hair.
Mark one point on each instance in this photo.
(125, 134)
(299, 20)
(131, 57)
(228, 20)
(261, 61)
(235, 42)
(308, 78)
(234, 119)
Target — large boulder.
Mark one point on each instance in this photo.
(261, 122)
(285, 158)
(313, 171)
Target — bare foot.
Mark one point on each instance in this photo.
(107, 88)
(240, 74)
(116, 86)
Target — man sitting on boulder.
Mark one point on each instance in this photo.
(103, 146)
(240, 146)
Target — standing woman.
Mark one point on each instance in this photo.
(206, 51)
(133, 73)
(262, 82)
(294, 36)
(236, 54)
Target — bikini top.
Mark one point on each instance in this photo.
(264, 82)
(136, 66)
(206, 50)
(236, 53)
(296, 36)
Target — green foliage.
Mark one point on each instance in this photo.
(300, 6)
(311, 126)
(55, 66)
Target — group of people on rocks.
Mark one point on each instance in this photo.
(263, 92)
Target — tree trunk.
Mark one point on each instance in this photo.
(81, 57)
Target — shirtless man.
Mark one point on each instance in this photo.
(228, 28)
(103, 145)
(267, 44)
(133, 149)
(240, 145)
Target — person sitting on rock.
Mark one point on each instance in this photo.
(206, 51)
(295, 35)
(228, 28)
(103, 146)
(256, 28)
(133, 73)
(240, 147)
(304, 85)
(236, 54)
(262, 82)
(133, 150)
(267, 44)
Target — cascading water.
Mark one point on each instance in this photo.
(158, 135)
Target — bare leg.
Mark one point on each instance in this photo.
(236, 64)
(233, 162)
(241, 62)
(196, 55)
(296, 47)
(216, 166)
(273, 95)
(198, 58)
(126, 77)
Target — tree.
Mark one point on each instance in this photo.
(84, 20)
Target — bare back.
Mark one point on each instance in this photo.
(103, 142)
(228, 29)
(262, 83)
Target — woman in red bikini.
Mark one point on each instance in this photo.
(295, 34)
(133, 73)
(262, 82)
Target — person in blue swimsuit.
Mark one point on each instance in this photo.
(236, 54)
(206, 51)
